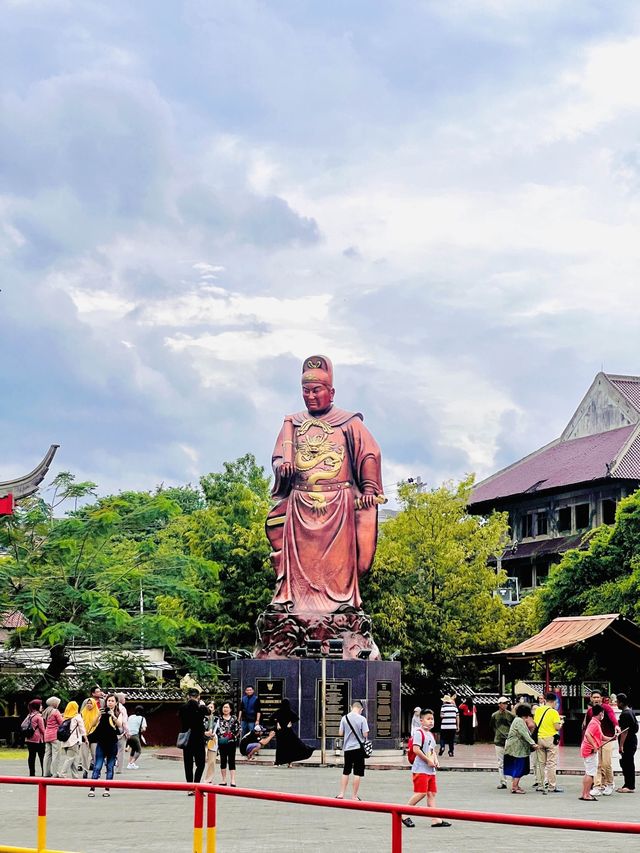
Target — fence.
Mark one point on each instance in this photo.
(204, 820)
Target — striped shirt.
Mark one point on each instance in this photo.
(448, 717)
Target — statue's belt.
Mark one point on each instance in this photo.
(323, 487)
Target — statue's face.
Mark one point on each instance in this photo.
(317, 397)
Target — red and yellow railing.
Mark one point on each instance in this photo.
(204, 820)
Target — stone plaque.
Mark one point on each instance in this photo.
(383, 709)
(270, 692)
(338, 704)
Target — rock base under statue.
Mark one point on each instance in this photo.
(280, 633)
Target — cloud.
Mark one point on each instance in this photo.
(443, 198)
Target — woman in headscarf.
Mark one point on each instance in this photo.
(289, 747)
(52, 719)
(33, 728)
(70, 748)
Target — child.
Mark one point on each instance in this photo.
(424, 767)
(591, 743)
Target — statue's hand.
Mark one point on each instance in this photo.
(367, 501)
(286, 469)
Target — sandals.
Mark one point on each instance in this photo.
(439, 824)
(517, 791)
(589, 799)
(407, 821)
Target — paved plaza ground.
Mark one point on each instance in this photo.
(150, 822)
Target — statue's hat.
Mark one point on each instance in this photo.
(317, 368)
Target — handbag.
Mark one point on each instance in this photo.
(183, 739)
(365, 745)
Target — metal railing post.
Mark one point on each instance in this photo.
(198, 821)
(211, 823)
(396, 832)
(41, 843)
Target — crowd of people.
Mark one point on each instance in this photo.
(207, 736)
(526, 731)
(81, 740)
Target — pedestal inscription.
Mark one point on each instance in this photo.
(338, 704)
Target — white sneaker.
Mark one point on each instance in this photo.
(135, 767)
(131, 766)
(607, 791)
(596, 792)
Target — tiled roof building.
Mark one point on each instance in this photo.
(556, 494)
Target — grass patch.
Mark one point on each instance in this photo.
(11, 754)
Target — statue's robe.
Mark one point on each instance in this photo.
(322, 543)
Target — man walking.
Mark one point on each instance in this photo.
(500, 724)
(449, 725)
(548, 723)
(250, 711)
(628, 743)
(192, 718)
(355, 730)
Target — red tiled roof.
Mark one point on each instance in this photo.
(13, 619)
(562, 463)
(629, 464)
(629, 387)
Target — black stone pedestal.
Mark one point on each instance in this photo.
(375, 683)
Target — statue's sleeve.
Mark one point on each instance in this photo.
(366, 458)
(281, 485)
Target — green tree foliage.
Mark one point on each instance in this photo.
(430, 592)
(604, 578)
(113, 573)
(177, 568)
(231, 533)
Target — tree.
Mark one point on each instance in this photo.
(82, 578)
(230, 532)
(431, 592)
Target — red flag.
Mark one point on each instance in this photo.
(6, 505)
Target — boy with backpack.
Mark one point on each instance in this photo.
(422, 757)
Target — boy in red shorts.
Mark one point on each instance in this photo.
(424, 767)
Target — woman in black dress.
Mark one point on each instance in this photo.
(289, 747)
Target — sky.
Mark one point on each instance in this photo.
(443, 197)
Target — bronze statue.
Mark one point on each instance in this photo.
(323, 526)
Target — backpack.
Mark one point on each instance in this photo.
(64, 730)
(27, 727)
(411, 756)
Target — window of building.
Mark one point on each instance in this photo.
(526, 577)
(583, 516)
(543, 523)
(564, 519)
(542, 573)
(608, 511)
(527, 525)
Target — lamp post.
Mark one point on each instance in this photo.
(323, 711)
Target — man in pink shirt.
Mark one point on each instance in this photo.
(603, 783)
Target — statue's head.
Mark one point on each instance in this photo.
(317, 384)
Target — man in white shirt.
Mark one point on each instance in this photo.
(355, 730)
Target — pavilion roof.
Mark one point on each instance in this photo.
(566, 631)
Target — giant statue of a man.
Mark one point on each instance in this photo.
(323, 526)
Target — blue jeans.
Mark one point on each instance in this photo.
(247, 727)
(108, 753)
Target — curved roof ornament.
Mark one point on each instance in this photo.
(22, 487)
